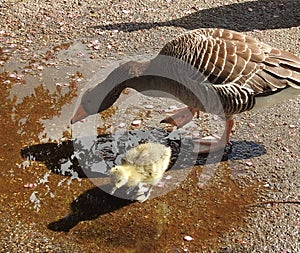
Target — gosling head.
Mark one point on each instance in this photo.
(118, 176)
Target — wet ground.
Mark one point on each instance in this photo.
(248, 202)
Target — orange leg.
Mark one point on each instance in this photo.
(217, 143)
(181, 117)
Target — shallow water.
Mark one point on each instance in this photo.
(37, 102)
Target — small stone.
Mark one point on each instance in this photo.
(30, 185)
(149, 107)
(136, 122)
(286, 149)
(188, 238)
(168, 111)
(12, 75)
(248, 163)
(121, 125)
(173, 107)
(160, 184)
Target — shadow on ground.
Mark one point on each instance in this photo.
(88, 206)
(72, 158)
(246, 16)
(90, 158)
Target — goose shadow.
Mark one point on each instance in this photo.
(73, 158)
(247, 16)
(93, 158)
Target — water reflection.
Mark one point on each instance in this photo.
(21, 119)
(214, 215)
(75, 158)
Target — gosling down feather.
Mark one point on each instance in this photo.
(238, 74)
(145, 163)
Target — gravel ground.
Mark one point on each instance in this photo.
(53, 42)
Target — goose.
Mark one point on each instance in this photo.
(218, 71)
(145, 163)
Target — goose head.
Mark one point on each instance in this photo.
(95, 100)
(102, 96)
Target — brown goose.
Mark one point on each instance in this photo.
(218, 71)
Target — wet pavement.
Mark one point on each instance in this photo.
(243, 200)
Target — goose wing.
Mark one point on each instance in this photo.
(225, 56)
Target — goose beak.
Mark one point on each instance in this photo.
(79, 115)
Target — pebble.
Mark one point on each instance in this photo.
(12, 75)
(30, 185)
(188, 238)
(286, 149)
(136, 122)
(122, 125)
(160, 184)
(149, 107)
(80, 54)
(248, 163)
(173, 107)
(168, 111)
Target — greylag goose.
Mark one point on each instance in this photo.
(229, 73)
(145, 163)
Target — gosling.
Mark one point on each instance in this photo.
(143, 164)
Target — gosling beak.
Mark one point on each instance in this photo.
(113, 190)
(79, 115)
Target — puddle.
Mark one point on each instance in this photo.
(37, 101)
(204, 214)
